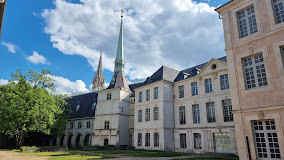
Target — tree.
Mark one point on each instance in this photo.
(27, 106)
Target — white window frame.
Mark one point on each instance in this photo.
(195, 114)
(194, 89)
(156, 139)
(147, 114)
(182, 118)
(208, 85)
(211, 115)
(140, 113)
(156, 93)
(181, 91)
(156, 113)
(148, 95)
(147, 139)
(182, 140)
(108, 96)
(224, 82)
(227, 110)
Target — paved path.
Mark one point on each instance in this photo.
(10, 155)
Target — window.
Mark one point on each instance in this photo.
(210, 112)
(156, 139)
(148, 95)
(194, 89)
(140, 97)
(139, 115)
(181, 91)
(156, 93)
(254, 72)
(182, 115)
(266, 140)
(94, 105)
(88, 124)
(197, 141)
(71, 125)
(182, 140)
(196, 113)
(246, 22)
(147, 114)
(78, 107)
(278, 7)
(139, 139)
(282, 53)
(227, 110)
(79, 124)
(109, 96)
(147, 139)
(106, 124)
(224, 82)
(156, 113)
(208, 85)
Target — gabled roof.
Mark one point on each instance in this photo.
(86, 102)
(223, 5)
(192, 71)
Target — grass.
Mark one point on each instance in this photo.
(207, 158)
(70, 155)
(137, 153)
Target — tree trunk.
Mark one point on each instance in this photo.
(20, 137)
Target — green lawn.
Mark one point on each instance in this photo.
(70, 155)
(137, 153)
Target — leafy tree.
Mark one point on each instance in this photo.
(27, 106)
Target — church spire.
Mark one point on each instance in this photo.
(119, 60)
(119, 80)
(99, 79)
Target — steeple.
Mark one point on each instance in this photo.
(119, 60)
(99, 78)
(119, 80)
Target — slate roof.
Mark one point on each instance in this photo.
(192, 71)
(86, 102)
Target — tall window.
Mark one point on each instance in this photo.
(278, 7)
(247, 22)
(182, 140)
(254, 72)
(194, 89)
(156, 93)
(196, 113)
(282, 53)
(140, 97)
(139, 139)
(197, 141)
(148, 95)
(71, 125)
(227, 110)
(210, 112)
(106, 124)
(156, 139)
(181, 91)
(208, 85)
(224, 82)
(88, 124)
(156, 113)
(147, 114)
(109, 96)
(147, 139)
(79, 124)
(182, 115)
(139, 115)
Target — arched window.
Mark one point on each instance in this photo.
(77, 108)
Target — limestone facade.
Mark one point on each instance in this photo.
(256, 75)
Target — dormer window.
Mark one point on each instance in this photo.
(78, 106)
(109, 96)
(94, 105)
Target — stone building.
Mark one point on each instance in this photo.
(254, 38)
(186, 111)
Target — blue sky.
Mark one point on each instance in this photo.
(66, 36)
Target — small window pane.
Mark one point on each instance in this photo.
(278, 7)
(227, 110)
(247, 22)
(156, 113)
(210, 112)
(156, 139)
(148, 95)
(156, 93)
(181, 91)
(196, 113)
(147, 114)
(139, 115)
(182, 115)
(140, 97)
(147, 139)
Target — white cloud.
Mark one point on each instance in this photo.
(3, 82)
(65, 86)
(175, 33)
(11, 47)
(37, 59)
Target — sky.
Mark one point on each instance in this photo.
(66, 37)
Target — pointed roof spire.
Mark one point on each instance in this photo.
(99, 79)
(119, 60)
